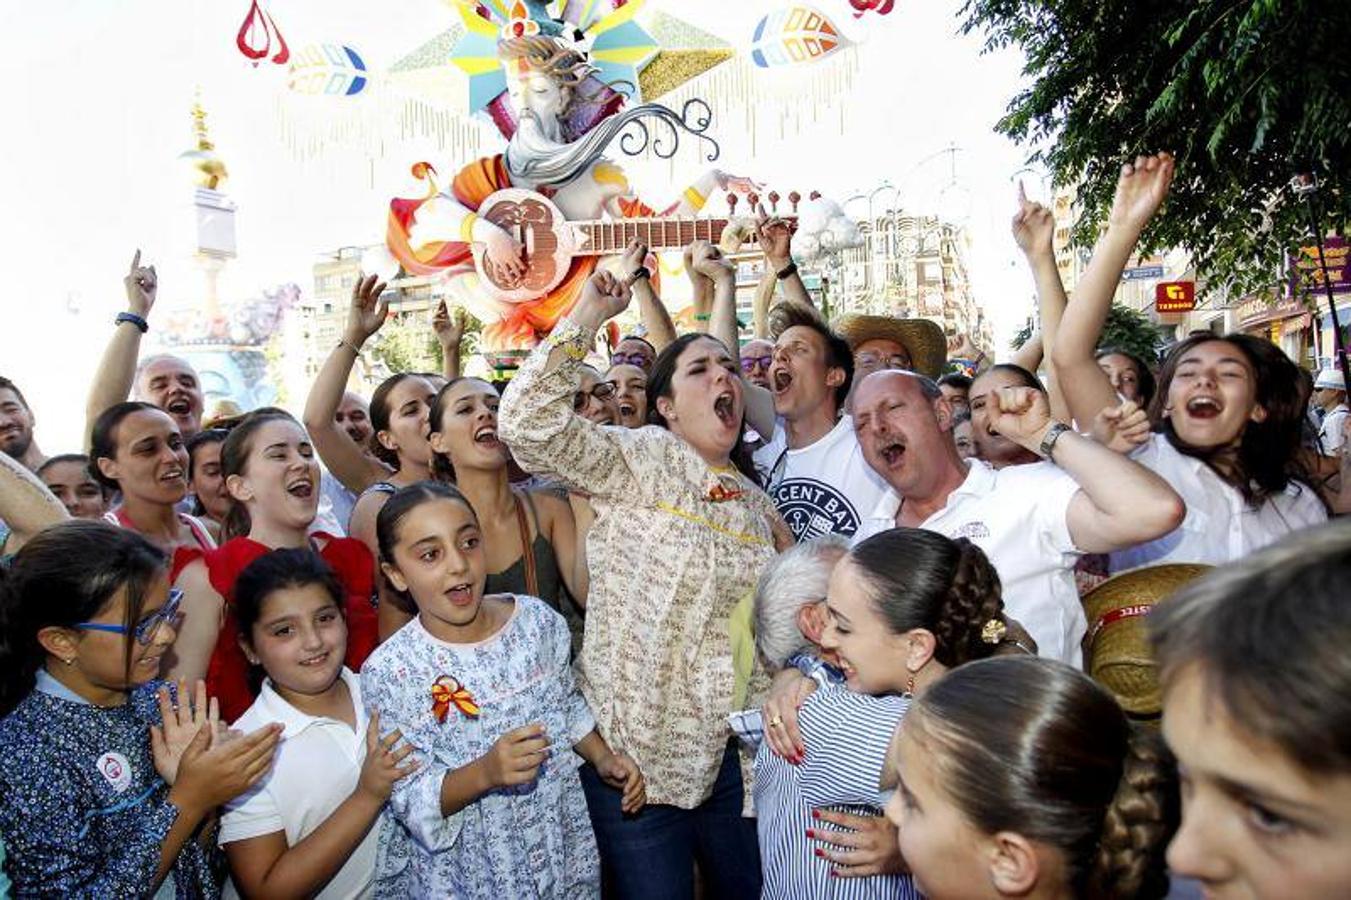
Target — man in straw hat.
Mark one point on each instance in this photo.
(1032, 521)
(812, 466)
(883, 342)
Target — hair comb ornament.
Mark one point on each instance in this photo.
(994, 631)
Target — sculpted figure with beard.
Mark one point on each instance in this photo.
(546, 79)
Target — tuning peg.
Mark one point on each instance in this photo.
(753, 199)
(794, 198)
(732, 202)
(774, 201)
(814, 195)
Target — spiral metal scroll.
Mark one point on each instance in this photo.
(695, 118)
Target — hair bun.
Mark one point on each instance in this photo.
(1138, 823)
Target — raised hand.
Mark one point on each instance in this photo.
(516, 756)
(775, 237)
(619, 771)
(735, 183)
(960, 346)
(1141, 190)
(180, 725)
(708, 261)
(1021, 414)
(1033, 227)
(382, 768)
(633, 259)
(1121, 428)
(142, 286)
(605, 295)
(209, 776)
(368, 311)
(449, 326)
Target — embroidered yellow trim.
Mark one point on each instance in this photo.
(570, 339)
(694, 198)
(752, 539)
(467, 227)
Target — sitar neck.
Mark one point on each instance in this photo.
(665, 233)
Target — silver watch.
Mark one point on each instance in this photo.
(1052, 435)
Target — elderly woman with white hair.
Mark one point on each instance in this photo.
(891, 616)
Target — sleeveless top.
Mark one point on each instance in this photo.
(182, 553)
(227, 676)
(512, 580)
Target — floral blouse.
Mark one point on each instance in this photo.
(674, 547)
(531, 841)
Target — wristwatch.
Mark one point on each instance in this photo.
(787, 271)
(1052, 435)
(640, 272)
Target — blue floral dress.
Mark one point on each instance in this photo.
(532, 841)
(82, 810)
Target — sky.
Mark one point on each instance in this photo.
(96, 108)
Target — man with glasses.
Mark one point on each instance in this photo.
(882, 343)
(634, 351)
(812, 466)
(757, 355)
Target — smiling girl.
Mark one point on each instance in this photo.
(309, 829)
(273, 478)
(1227, 413)
(481, 687)
(103, 790)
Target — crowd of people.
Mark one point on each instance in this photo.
(796, 616)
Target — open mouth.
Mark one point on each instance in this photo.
(1204, 407)
(627, 410)
(487, 436)
(151, 662)
(460, 594)
(318, 660)
(781, 380)
(178, 406)
(301, 487)
(173, 476)
(892, 452)
(724, 407)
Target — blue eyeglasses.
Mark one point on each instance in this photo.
(147, 628)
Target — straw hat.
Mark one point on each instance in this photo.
(225, 413)
(921, 338)
(1116, 649)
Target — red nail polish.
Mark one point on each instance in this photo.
(816, 814)
(819, 852)
(810, 835)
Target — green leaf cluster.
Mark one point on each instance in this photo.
(1125, 329)
(1244, 93)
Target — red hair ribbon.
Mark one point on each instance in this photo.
(447, 692)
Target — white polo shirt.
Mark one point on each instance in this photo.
(824, 488)
(315, 769)
(1331, 432)
(1017, 515)
(1220, 526)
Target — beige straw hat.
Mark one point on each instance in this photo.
(1116, 648)
(921, 338)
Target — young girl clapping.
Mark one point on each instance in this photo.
(104, 785)
(306, 830)
(482, 689)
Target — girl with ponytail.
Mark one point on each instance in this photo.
(901, 609)
(104, 784)
(1021, 777)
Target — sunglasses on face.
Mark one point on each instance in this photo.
(602, 391)
(750, 363)
(869, 360)
(148, 627)
(629, 359)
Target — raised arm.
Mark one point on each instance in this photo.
(26, 505)
(348, 462)
(1120, 503)
(710, 265)
(775, 236)
(536, 419)
(633, 264)
(1034, 233)
(112, 381)
(1140, 191)
(449, 328)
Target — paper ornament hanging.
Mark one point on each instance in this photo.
(881, 7)
(794, 35)
(334, 70)
(257, 35)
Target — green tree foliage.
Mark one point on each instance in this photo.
(1243, 92)
(1125, 329)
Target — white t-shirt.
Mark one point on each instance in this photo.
(1220, 526)
(1330, 433)
(824, 488)
(1018, 516)
(315, 769)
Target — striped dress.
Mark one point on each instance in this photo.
(846, 737)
